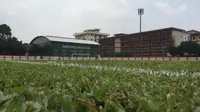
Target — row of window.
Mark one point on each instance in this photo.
(147, 48)
(96, 40)
(152, 34)
(195, 38)
(130, 41)
(73, 50)
(96, 37)
(145, 38)
(67, 53)
(145, 43)
(93, 35)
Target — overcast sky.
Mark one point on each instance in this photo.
(31, 18)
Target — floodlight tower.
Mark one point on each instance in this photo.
(140, 13)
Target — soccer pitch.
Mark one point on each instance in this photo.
(105, 86)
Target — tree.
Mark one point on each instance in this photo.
(3, 48)
(173, 50)
(10, 45)
(35, 50)
(21, 49)
(179, 51)
(27, 46)
(5, 31)
(191, 48)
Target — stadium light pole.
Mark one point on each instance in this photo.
(140, 13)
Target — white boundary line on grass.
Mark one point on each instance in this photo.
(113, 68)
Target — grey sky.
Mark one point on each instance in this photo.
(30, 18)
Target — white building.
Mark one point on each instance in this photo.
(91, 34)
(187, 35)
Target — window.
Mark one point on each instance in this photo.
(150, 42)
(193, 38)
(168, 33)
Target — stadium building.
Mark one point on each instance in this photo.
(63, 46)
(148, 43)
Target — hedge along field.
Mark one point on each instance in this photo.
(52, 88)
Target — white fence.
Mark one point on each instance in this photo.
(8, 57)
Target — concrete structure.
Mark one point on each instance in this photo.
(187, 35)
(63, 46)
(149, 43)
(91, 34)
(195, 37)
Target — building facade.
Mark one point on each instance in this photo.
(91, 34)
(149, 43)
(195, 37)
(62, 46)
(187, 35)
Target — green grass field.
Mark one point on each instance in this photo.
(100, 86)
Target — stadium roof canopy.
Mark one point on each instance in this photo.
(66, 40)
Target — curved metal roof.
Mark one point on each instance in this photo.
(67, 40)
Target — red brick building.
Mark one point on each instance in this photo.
(149, 43)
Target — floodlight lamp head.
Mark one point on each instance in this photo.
(140, 11)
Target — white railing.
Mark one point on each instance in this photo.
(10, 57)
